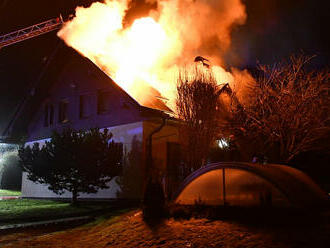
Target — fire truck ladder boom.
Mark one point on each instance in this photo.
(30, 32)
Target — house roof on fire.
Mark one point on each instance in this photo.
(56, 63)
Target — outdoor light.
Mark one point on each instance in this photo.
(223, 143)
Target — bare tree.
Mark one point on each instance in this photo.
(288, 113)
(198, 106)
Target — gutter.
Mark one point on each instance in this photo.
(149, 165)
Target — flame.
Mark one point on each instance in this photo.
(150, 52)
(137, 57)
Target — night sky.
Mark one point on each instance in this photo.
(274, 30)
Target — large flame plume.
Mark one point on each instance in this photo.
(145, 57)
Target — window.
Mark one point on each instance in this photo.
(102, 102)
(84, 106)
(63, 111)
(51, 114)
(48, 115)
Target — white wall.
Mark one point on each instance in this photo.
(31, 189)
(122, 133)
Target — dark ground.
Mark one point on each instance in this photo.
(129, 230)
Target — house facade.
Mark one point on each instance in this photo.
(81, 96)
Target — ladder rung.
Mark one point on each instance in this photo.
(30, 32)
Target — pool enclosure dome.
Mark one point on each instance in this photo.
(249, 184)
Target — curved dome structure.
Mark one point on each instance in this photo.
(249, 184)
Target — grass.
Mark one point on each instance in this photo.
(26, 210)
(4, 192)
(107, 219)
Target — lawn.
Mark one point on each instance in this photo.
(4, 192)
(26, 210)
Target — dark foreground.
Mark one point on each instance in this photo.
(129, 230)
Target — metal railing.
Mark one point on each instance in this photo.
(30, 32)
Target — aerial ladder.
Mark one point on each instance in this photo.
(21, 35)
(31, 32)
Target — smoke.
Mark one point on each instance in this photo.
(203, 26)
(150, 51)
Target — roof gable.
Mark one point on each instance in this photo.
(65, 70)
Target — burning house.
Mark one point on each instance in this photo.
(75, 93)
(76, 90)
(120, 74)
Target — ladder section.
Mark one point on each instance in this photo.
(30, 32)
